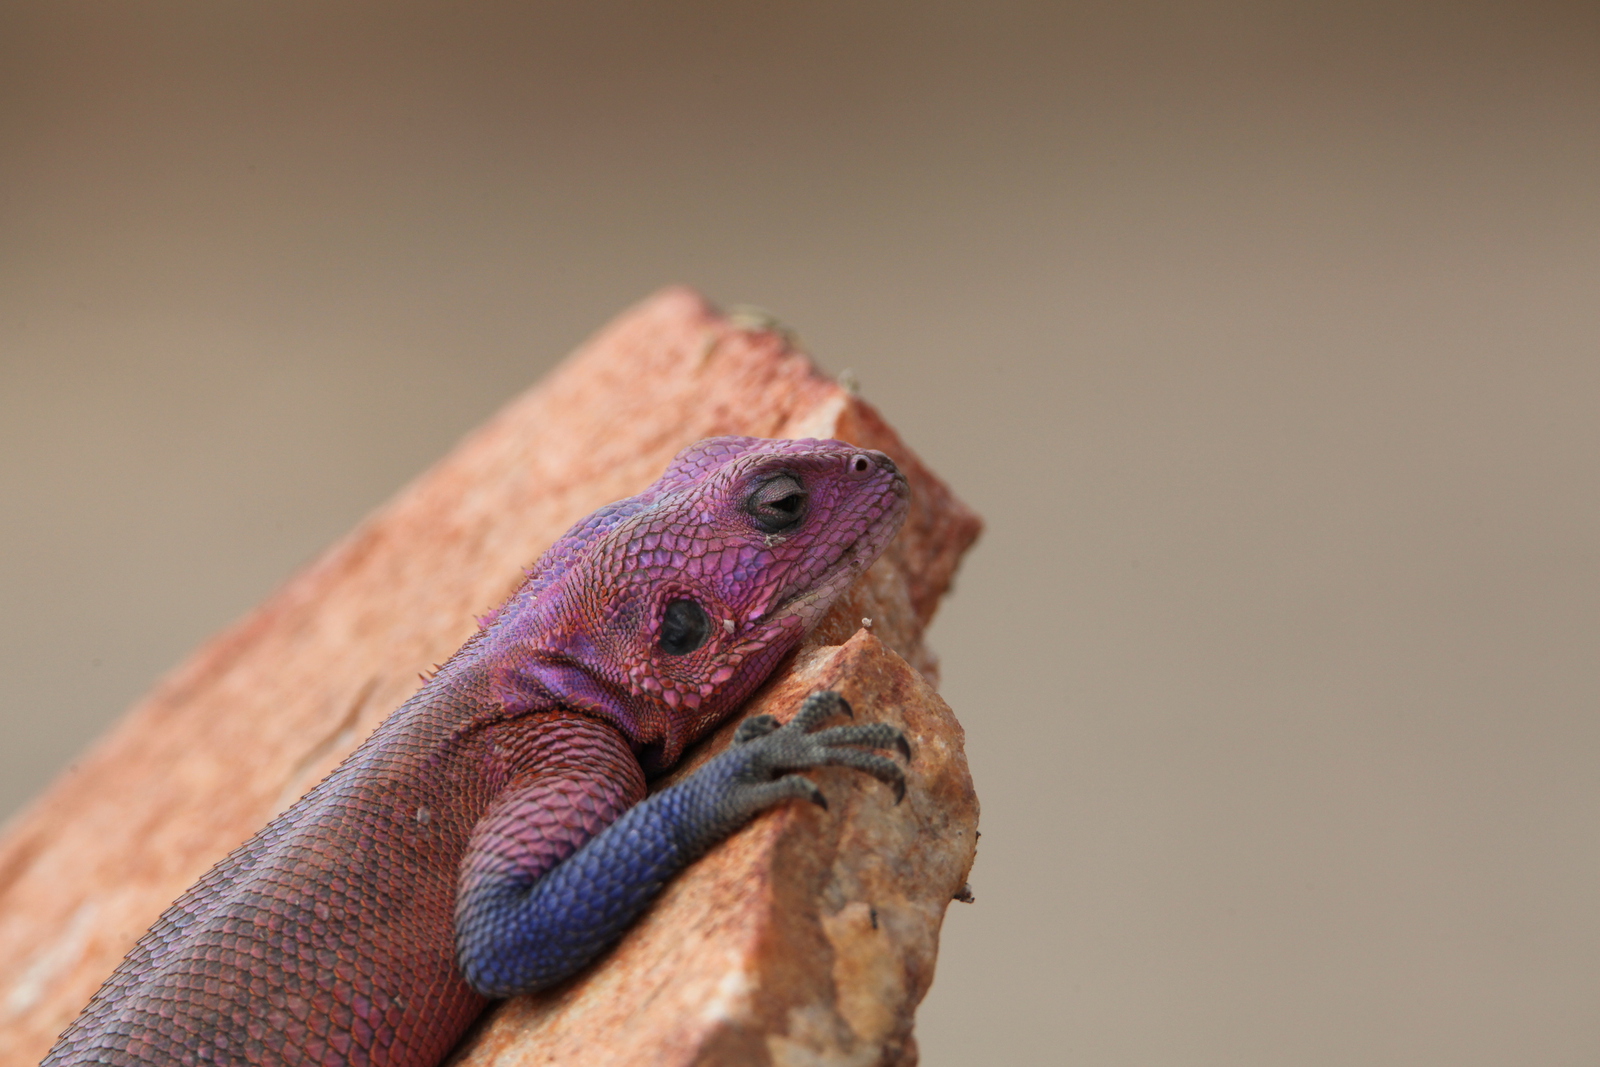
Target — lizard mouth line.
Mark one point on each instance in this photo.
(851, 564)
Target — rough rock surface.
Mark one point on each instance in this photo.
(261, 712)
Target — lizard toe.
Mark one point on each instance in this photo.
(870, 734)
(818, 708)
(752, 728)
(882, 768)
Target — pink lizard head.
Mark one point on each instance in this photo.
(661, 613)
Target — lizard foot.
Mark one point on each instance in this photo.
(766, 749)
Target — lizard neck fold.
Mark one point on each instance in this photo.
(536, 679)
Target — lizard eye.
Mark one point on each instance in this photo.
(684, 628)
(778, 503)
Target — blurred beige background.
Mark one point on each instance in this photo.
(1265, 335)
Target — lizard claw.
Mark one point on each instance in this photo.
(819, 706)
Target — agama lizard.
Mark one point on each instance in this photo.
(493, 835)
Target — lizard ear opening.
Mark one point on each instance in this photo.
(685, 626)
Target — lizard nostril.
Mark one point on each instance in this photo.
(860, 464)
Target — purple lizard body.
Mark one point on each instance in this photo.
(493, 836)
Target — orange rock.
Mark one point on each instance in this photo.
(262, 711)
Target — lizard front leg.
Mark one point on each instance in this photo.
(515, 933)
(570, 778)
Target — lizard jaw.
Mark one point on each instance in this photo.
(812, 603)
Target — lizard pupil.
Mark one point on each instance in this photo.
(684, 627)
